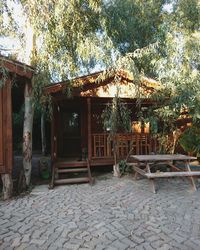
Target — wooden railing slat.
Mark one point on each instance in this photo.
(138, 143)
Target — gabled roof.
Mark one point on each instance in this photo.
(16, 67)
(104, 84)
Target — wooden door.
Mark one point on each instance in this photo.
(70, 133)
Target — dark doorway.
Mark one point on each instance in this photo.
(70, 133)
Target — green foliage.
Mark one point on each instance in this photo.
(3, 73)
(116, 117)
(136, 31)
(72, 37)
(69, 34)
(124, 168)
(187, 14)
(190, 140)
(134, 25)
(177, 68)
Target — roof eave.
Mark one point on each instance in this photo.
(16, 67)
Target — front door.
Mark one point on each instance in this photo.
(70, 133)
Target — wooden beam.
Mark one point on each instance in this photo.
(89, 129)
(139, 170)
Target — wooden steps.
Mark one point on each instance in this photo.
(64, 164)
(72, 180)
(74, 172)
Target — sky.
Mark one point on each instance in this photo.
(12, 45)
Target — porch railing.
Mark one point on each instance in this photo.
(102, 145)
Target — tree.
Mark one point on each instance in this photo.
(60, 38)
(178, 68)
(134, 25)
(116, 118)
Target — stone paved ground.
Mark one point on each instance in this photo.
(112, 214)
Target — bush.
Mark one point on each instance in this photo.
(124, 168)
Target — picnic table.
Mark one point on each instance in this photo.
(146, 162)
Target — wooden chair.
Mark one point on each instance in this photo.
(122, 145)
(144, 144)
(99, 145)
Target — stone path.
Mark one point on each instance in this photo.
(112, 214)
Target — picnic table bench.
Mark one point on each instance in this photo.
(146, 162)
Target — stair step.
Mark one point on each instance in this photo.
(72, 170)
(71, 180)
(70, 164)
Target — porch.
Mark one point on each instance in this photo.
(78, 133)
(102, 149)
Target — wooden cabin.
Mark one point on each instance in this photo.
(11, 72)
(78, 137)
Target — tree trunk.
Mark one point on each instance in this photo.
(27, 133)
(43, 134)
(176, 134)
(116, 171)
(7, 186)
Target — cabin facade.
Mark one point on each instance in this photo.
(78, 135)
(17, 73)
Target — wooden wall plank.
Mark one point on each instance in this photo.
(6, 145)
(1, 132)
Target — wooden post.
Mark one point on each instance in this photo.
(151, 180)
(54, 123)
(7, 140)
(191, 178)
(43, 134)
(89, 129)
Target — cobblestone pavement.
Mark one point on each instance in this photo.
(112, 214)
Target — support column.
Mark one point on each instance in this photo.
(89, 129)
(7, 141)
(53, 134)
